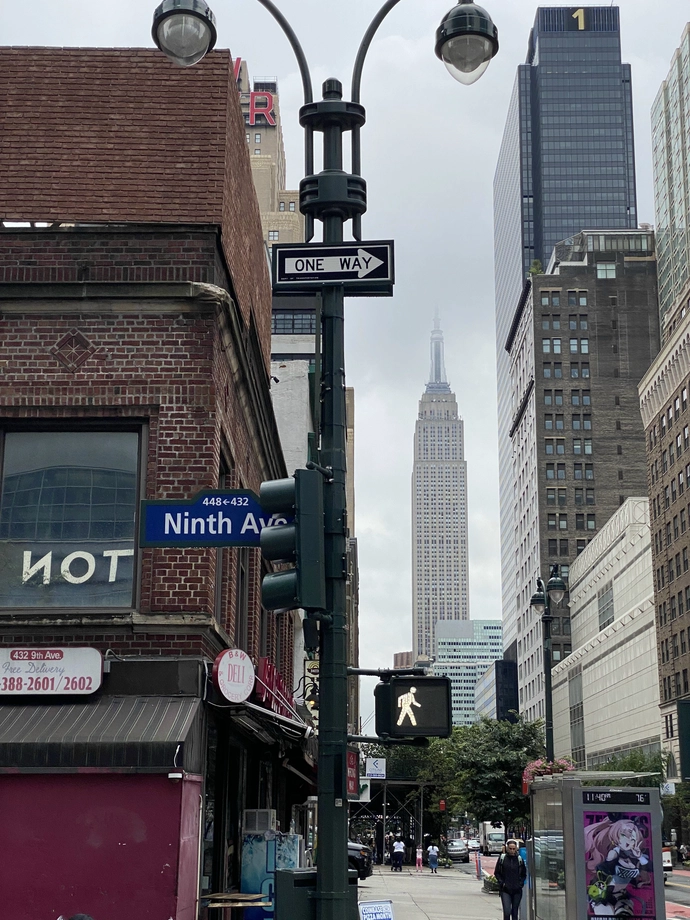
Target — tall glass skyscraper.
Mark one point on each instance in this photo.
(671, 152)
(566, 164)
(439, 509)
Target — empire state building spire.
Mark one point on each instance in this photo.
(438, 382)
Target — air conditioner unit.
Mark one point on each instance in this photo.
(258, 820)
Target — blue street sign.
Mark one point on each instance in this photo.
(221, 517)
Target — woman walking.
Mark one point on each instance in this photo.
(432, 850)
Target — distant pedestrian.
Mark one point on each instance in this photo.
(420, 854)
(432, 850)
(398, 853)
(510, 873)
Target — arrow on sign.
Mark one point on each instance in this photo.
(363, 263)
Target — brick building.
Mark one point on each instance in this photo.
(664, 405)
(582, 336)
(135, 322)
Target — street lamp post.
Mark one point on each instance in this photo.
(541, 601)
(466, 41)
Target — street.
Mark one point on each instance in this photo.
(425, 896)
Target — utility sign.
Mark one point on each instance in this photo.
(224, 517)
(365, 269)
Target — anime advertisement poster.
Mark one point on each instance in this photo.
(618, 863)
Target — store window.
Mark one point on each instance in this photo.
(67, 518)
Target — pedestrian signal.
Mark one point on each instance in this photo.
(414, 707)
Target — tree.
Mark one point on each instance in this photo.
(640, 763)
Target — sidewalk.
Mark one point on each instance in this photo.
(445, 896)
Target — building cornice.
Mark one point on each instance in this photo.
(666, 373)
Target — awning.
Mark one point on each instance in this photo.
(145, 734)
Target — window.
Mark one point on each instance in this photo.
(556, 321)
(556, 346)
(605, 604)
(676, 531)
(560, 446)
(588, 445)
(557, 369)
(559, 423)
(546, 346)
(248, 138)
(257, 151)
(550, 471)
(591, 522)
(574, 397)
(293, 322)
(561, 497)
(291, 206)
(683, 521)
(551, 521)
(574, 370)
(573, 346)
(547, 370)
(685, 559)
(67, 518)
(579, 496)
(584, 346)
(586, 398)
(274, 234)
(589, 471)
(281, 206)
(579, 522)
(584, 370)
(581, 544)
(577, 422)
(548, 421)
(257, 138)
(562, 521)
(561, 471)
(549, 447)
(583, 321)
(548, 397)
(589, 496)
(577, 471)
(550, 496)
(606, 269)
(563, 547)
(553, 547)
(587, 422)
(558, 397)
(577, 445)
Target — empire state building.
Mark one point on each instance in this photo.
(440, 589)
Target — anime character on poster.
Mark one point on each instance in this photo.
(619, 875)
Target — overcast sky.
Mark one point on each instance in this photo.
(429, 152)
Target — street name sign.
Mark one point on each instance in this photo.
(365, 269)
(222, 517)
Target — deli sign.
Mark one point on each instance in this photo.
(50, 671)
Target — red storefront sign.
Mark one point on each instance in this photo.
(272, 691)
(352, 773)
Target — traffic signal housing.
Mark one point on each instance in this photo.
(414, 707)
(300, 542)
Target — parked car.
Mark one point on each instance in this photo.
(359, 857)
(472, 844)
(458, 850)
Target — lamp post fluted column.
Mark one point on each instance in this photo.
(541, 601)
(466, 41)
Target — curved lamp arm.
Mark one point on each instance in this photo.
(308, 93)
(364, 46)
(354, 96)
(296, 47)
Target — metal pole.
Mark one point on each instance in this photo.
(332, 880)
(548, 702)
(385, 799)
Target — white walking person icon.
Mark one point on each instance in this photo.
(405, 703)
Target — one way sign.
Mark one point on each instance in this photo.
(365, 269)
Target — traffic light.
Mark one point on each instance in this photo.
(300, 542)
(414, 707)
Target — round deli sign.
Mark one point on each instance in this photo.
(233, 675)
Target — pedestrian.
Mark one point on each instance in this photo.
(510, 874)
(420, 854)
(398, 853)
(432, 850)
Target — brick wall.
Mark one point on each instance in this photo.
(167, 362)
(96, 135)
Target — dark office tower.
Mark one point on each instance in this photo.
(566, 164)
